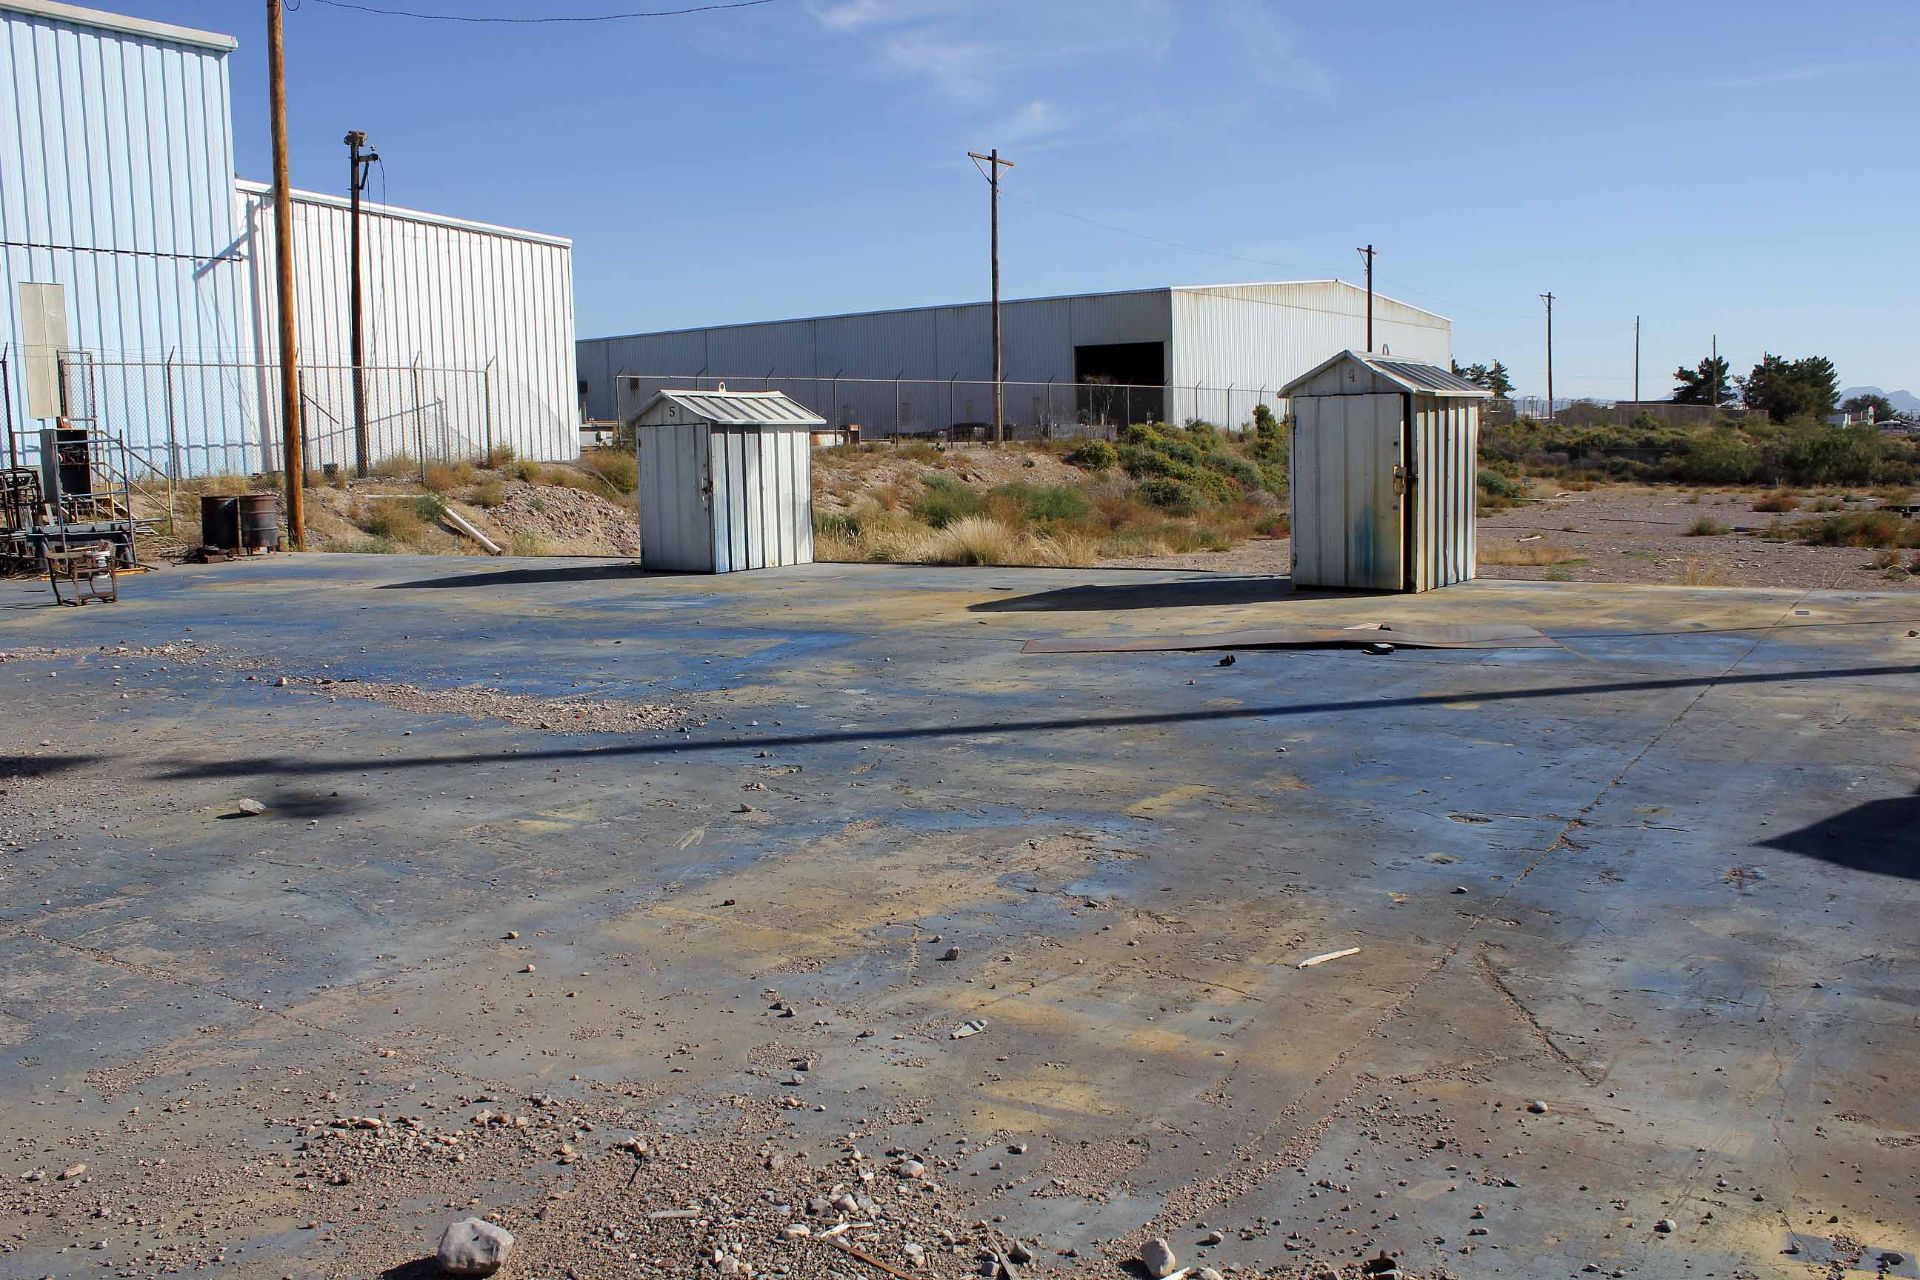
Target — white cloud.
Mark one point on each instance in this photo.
(1789, 75)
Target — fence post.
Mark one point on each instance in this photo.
(896, 406)
(419, 419)
(486, 399)
(300, 398)
(950, 416)
(1128, 400)
(6, 393)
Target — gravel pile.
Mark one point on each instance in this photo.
(561, 519)
(555, 715)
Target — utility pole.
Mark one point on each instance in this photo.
(1367, 253)
(1715, 366)
(1548, 297)
(292, 447)
(994, 165)
(359, 162)
(1636, 359)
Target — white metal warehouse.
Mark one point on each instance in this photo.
(117, 185)
(1203, 351)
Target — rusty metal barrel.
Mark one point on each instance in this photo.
(260, 522)
(220, 521)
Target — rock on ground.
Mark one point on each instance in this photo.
(474, 1247)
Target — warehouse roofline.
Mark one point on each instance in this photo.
(395, 211)
(99, 18)
(1053, 297)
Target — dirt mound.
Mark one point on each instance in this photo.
(556, 520)
(845, 477)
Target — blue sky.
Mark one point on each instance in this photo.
(1740, 167)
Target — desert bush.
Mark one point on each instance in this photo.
(497, 457)
(1498, 492)
(1094, 455)
(397, 467)
(442, 476)
(1718, 456)
(1170, 494)
(1043, 505)
(393, 519)
(489, 494)
(1852, 529)
(526, 469)
(618, 467)
(1778, 500)
(943, 501)
(1706, 527)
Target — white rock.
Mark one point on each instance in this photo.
(474, 1247)
(1156, 1255)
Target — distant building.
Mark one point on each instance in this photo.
(1210, 352)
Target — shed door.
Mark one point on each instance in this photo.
(1349, 522)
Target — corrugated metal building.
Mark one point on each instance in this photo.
(487, 311)
(117, 183)
(1196, 351)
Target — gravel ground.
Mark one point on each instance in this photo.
(1621, 533)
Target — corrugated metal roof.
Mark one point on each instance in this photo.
(120, 22)
(741, 408)
(1410, 375)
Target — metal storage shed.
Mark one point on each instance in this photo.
(726, 481)
(1384, 463)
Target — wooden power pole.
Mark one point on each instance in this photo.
(359, 161)
(292, 447)
(1636, 359)
(992, 171)
(1548, 297)
(1367, 253)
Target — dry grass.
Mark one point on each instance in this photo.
(618, 467)
(1707, 527)
(1700, 573)
(444, 476)
(1528, 553)
(488, 494)
(893, 538)
(1778, 500)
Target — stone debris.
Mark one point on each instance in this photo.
(474, 1247)
(1156, 1255)
(249, 808)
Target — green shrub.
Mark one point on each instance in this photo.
(489, 494)
(1093, 455)
(1706, 527)
(1719, 456)
(1815, 453)
(1497, 492)
(945, 500)
(1174, 496)
(1044, 504)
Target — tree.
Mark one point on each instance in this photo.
(1499, 381)
(1874, 408)
(1699, 384)
(1493, 377)
(1785, 389)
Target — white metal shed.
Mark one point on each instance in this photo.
(726, 481)
(1384, 463)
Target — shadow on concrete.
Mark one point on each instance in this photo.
(1880, 836)
(524, 577)
(418, 1269)
(41, 766)
(291, 803)
(674, 744)
(1188, 593)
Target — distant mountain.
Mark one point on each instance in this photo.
(1902, 401)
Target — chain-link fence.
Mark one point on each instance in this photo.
(186, 418)
(962, 409)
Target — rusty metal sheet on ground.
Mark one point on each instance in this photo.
(1424, 635)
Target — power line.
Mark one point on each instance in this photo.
(480, 20)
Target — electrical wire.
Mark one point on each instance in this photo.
(495, 20)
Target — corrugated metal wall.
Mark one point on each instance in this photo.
(927, 344)
(1446, 441)
(675, 497)
(116, 173)
(723, 499)
(1257, 338)
(442, 292)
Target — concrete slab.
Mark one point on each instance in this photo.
(1660, 878)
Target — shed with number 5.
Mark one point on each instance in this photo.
(1383, 469)
(726, 481)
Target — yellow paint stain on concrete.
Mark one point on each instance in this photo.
(1166, 801)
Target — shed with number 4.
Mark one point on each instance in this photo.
(726, 481)
(1384, 463)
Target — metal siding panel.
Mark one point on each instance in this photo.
(1304, 486)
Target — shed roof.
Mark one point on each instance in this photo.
(740, 408)
(1409, 375)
